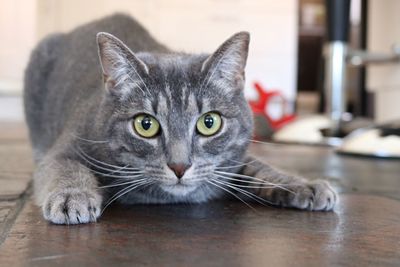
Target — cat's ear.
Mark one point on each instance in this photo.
(118, 62)
(227, 64)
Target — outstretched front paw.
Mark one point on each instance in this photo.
(72, 206)
(313, 195)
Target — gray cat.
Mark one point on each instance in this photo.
(160, 127)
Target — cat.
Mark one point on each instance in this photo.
(135, 122)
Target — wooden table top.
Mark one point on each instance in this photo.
(364, 229)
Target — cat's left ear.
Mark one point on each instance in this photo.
(118, 62)
(229, 61)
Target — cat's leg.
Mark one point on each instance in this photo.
(286, 190)
(66, 191)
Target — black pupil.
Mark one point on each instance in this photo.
(146, 123)
(208, 121)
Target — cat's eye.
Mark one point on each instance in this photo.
(146, 125)
(209, 123)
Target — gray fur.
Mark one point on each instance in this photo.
(80, 111)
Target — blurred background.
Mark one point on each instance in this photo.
(286, 53)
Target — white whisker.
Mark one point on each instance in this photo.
(86, 156)
(121, 170)
(132, 174)
(231, 193)
(250, 163)
(123, 192)
(245, 186)
(238, 165)
(250, 179)
(246, 193)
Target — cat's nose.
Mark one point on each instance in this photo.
(179, 168)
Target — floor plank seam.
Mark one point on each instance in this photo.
(12, 217)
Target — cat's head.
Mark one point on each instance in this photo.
(179, 121)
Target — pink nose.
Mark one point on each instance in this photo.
(179, 169)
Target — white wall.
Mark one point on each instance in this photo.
(17, 37)
(192, 26)
(384, 80)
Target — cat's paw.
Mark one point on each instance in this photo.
(314, 195)
(72, 206)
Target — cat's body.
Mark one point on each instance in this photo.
(60, 62)
(91, 137)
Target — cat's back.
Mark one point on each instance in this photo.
(64, 72)
(81, 42)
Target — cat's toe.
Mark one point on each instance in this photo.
(317, 195)
(72, 206)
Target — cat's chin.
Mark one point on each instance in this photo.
(179, 190)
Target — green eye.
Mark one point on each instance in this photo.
(209, 123)
(146, 125)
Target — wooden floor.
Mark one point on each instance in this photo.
(364, 230)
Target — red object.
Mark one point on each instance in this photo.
(259, 107)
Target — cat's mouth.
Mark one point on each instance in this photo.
(179, 188)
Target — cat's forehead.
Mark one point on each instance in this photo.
(173, 100)
(178, 87)
(174, 67)
(174, 80)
